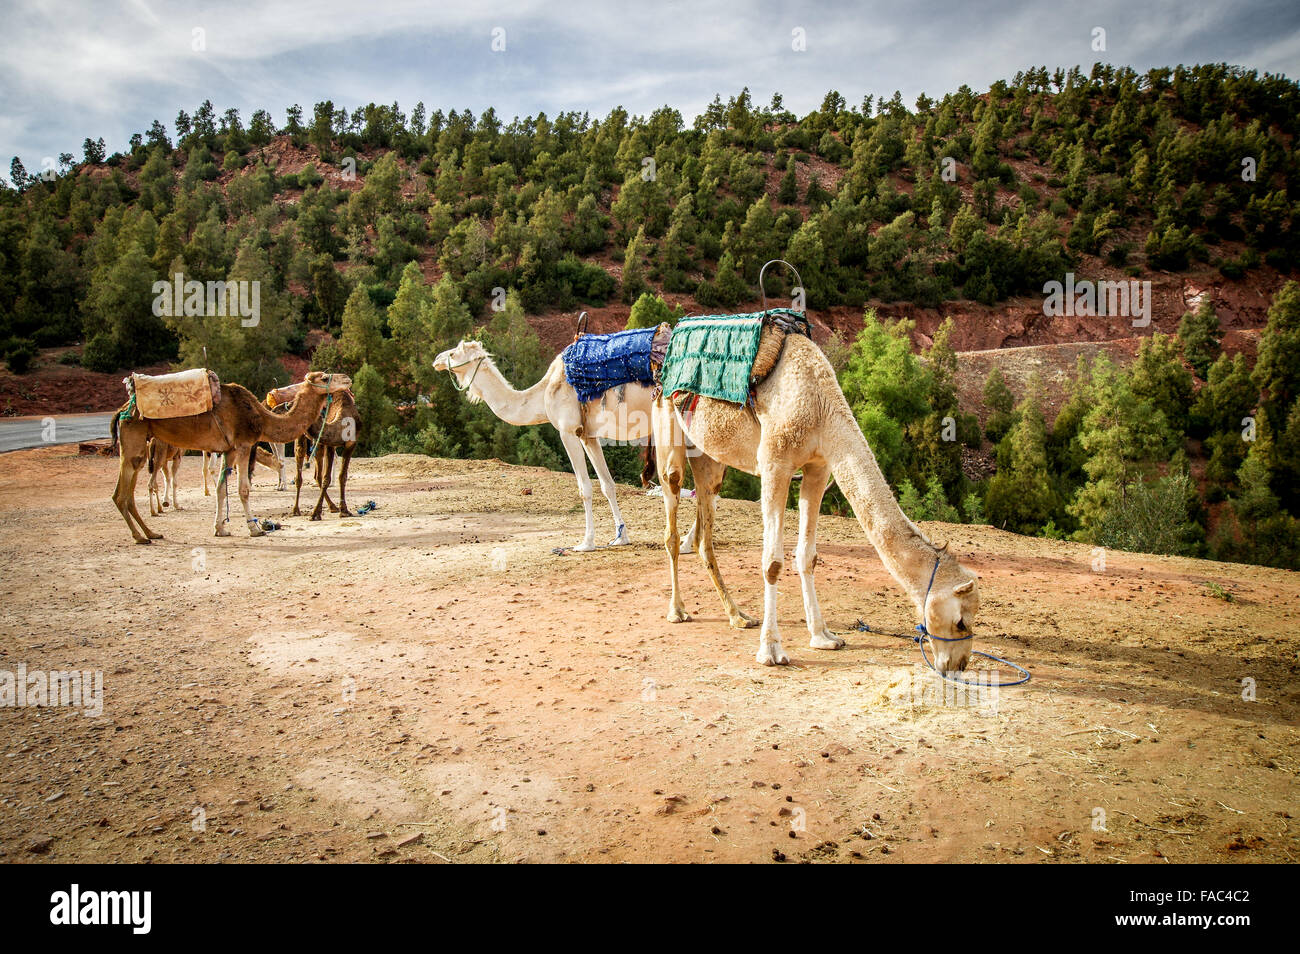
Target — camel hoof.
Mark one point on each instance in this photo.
(144, 542)
(583, 547)
(678, 616)
(345, 512)
(825, 640)
(154, 536)
(622, 541)
(316, 515)
(743, 621)
(255, 530)
(222, 532)
(772, 656)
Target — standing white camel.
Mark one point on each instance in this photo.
(800, 420)
(621, 414)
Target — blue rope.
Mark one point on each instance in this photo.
(925, 634)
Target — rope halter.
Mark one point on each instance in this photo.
(451, 370)
(925, 634)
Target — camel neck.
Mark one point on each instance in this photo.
(907, 555)
(514, 407)
(295, 421)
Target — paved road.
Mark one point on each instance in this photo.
(17, 433)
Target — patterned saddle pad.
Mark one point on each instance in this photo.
(713, 355)
(182, 394)
(596, 363)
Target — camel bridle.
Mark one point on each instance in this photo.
(452, 368)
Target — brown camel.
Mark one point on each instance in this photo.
(339, 436)
(232, 427)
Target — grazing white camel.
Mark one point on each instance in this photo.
(622, 414)
(800, 420)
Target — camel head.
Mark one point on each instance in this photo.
(322, 382)
(950, 612)
(463, 362)
(463, 356)
(325, 382)
(285, 395)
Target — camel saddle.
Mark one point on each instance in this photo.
(594, 364)
(726, 356)
(183, 394)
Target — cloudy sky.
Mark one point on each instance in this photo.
(72, 69)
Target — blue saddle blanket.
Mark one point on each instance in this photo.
(595, 363)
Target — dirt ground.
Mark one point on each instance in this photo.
(430, 682)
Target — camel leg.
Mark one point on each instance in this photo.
(299, 452)
(172, 472)
(130, 502)
(708, 480)
(573, 446)
(278, 450)
(608, 488)
(128, 469)
(223, 496)
(346, 455)
(327, 468)
(155, 502)
(811, 489)
(776, 487)
(670, 458)
(689, 544)
(243, 466)
(320, 464)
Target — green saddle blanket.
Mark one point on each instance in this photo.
(713, 355)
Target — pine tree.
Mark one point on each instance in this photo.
(1159, 376)
(375, 408)
(120, 325)
(788, 193)
(238, 351)
(362, 339)
(634, 280)
(1277, 368)
(1200, 333)
(650, 311)
(1220, 412)
(588, 232)
(1021, 497)
(887, 389)
(1124, 436)
(998, 401)
(731, 288)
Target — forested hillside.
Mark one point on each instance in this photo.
(398, 234)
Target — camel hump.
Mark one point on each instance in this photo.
(770, 345)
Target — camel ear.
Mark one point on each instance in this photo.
(966, 587)
(942, 548)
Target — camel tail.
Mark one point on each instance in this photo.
(112, 432)
(650, 468)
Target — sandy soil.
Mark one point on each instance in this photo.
(430, 682)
